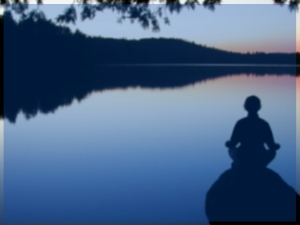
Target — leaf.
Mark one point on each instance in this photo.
(167, 21)
(19, 8)
(69, 15)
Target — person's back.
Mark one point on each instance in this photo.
(252, 133)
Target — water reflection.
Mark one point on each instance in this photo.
(1, 167)
(31, 95)
(138, 154)
(298, 132)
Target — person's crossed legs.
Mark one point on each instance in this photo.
(262, 160)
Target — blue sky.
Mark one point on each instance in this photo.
(234, 27)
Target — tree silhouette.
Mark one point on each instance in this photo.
(293, 4)
(132, 10)
(58, 66)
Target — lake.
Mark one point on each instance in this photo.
(137, 153)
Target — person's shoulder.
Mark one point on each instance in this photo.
(264, 122)
(241, 121)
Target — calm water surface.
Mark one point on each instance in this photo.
(139, 154)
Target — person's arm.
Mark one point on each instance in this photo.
(270, 139)
(235, 137)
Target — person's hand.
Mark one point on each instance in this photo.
(275, 147)
(228, 144)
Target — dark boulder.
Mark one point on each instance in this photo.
(251, 195)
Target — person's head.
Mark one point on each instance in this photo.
(252, 104)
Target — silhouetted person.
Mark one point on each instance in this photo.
(251, 191)
(252, 133)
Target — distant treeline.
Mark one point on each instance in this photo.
(59, 46)
(46, 66)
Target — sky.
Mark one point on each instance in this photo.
(253, 26)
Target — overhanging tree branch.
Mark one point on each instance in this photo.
(132, 10)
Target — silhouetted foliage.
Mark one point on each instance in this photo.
(293, 4)
(56, 66)
(133, 10)
(52, 39)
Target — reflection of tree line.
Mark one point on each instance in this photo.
(47, 94)
(52, 66)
